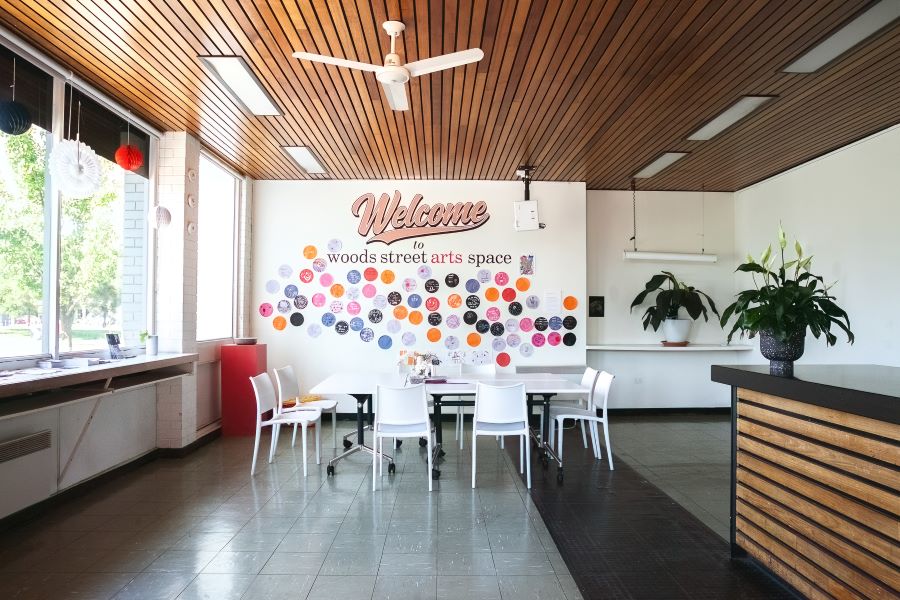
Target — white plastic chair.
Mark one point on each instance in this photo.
(265, 401)
(587, 381)
(595, 414)
(489, 370)
(501, 411)
(289, 387)
(400, 412)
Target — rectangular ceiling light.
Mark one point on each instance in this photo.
(306, 159)
(234, 73)
(670, 256)
(729, 117)
(848, 36)
(664, 160)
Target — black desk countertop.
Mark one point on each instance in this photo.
(867, 390)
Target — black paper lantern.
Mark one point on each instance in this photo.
(14, 118)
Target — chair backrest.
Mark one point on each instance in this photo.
(587, 380)
(288, 386)
(265, 393)
(500, 404)
(600, 395)
(401, 405)
(487, 370)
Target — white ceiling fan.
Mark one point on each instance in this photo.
(394, 75)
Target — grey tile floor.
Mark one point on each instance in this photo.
(687, 456)
(200, 527)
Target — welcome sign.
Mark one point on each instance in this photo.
(454, 279)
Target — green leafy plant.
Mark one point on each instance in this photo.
(787, 300)
(670, 299)
(143, 336)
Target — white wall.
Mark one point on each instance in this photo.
(845, 209)
(288, 216)
(666, 221)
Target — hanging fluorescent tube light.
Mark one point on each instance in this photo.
(670, 256)
(662, 162)
(235, 75)
(864, 26)
(304, 157)
(731, 115)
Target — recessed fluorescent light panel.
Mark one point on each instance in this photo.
(851, 34)
(729, 117)
(659, 164)
(234, 73)
(306, 159)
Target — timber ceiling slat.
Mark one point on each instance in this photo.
(588, 90)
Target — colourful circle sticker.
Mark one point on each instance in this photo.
(469, 317)
(328, 319)
(337, 306)
(532, 302)
(368, 290)
(541, 323)
(415, 317)
(326, 279)
(452, 321)
(431, 286)
(432, 303)
(501, 278)
(370, 274)
(492, 294)
(375, 316)
(522, 284)
(291, 291)
(537, 340)
(473, 302)
(482, 326)
(385, 342)
(454, 300)
(570, 303)
(284, 306)
(414, 300)
(285, 271)
(315, 330)
(310, 252)
(272, 286)
(526, 350)
(497, 329)
(279, 323)
(393, 326)
(366, 334)
(451, 342)
(515, 309)
(503, 359)
(434, 319)
(379, 301)
(353, 276)
(400, 312)
(408, 338)
(555, 323)
(433, 335)
(570, 322)
(387, 276)
(473, 340)
(513, 340)
(335, 245)
(318, 300)
(498, 345)
(509, 294)
(353, 307)
(569, 339)
(306, 275)
(409, 284)
(341, 327)
(394, 298)
(512, 325)
(554, 338)
(319, 265)
(265, 309)
(337, 290)
(352, 292)
(526, 324)
(301, 302)
(493, 314)
(452, 280)
(297, 319)
(424, 271)
(472, 286)
(483, 275)
(356, 324)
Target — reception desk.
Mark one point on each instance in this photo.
(816, 476)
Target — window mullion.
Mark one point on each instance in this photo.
(52, 210)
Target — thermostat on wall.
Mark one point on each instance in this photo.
(525, 214)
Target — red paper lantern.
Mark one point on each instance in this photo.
(129, 157)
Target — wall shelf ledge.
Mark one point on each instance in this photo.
(661, 348)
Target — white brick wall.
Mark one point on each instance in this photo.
(133, 259)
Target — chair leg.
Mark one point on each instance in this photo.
(521, 454)
(303, 433)
(608, 447)
(428, 472)
(255, 452)
(275, 430)
(527, 459)
(381, 456)
(374, 461)
(596, 439)
(319, 441)
(559, 448)
(583, 434)
(551, 435)
(474, 446)
(456, 428)
(294, 437)
(501, 442)
(461, 417)
(334, 427)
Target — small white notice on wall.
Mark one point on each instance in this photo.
(553, 302)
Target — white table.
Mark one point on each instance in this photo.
(539, 387)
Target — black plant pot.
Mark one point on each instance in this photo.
(782, 355)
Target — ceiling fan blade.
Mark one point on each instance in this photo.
(338, 62)
(445, 61)
(396, 95)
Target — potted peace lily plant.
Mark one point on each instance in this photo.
(786, 300)
(665, 309)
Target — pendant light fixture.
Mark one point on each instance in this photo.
(14, 117)
(74, 165)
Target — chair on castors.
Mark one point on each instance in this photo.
(502, 411)
(289, 387)
(265, 402)
(595, 414)
(400, 412)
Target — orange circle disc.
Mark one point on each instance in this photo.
(434, 334)
(522, 284)
(570, 303)
(279, 323)
(400, 312)
(310, 252)
(337, 290)
(491, 294)
(387, 276)
(474, 340)
(415, 317)
(454, 301)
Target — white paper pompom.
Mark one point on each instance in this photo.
(160, 216)
(75, 168)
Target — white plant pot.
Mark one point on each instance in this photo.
(676, 330)
(152, 345)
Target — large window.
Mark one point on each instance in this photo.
(216, 243)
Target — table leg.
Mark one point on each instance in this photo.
(361, 413)
(438, 426)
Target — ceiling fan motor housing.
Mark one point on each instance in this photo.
(392, 74)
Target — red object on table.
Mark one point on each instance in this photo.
(239, 364)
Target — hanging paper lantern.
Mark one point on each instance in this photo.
(129, 157)
(75, 168)
(160, 216)
(14, 118)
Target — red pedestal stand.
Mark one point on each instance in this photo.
(239, 364)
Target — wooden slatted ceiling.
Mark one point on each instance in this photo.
(588, 90)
